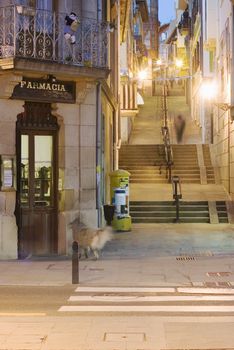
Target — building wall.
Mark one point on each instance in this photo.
(8, 229)
(107, 140)
(223, 126)
(77, 169)
(77, 166)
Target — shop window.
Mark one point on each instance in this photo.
(43, 170)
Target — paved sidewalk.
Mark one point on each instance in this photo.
(187, 270)
(147, 256)
(117, 333)
(190, 256)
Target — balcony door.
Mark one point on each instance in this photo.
(37, 181)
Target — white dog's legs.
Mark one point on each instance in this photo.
(96, 253)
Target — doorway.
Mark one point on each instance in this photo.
(37, 180)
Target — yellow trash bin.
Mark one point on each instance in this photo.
(119, 182)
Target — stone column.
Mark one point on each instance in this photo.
(9, 110)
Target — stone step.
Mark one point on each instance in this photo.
(146, 167)
(187, 176)
(166, 203)
(184, 181)
(201, 214)
(187, 171)
(160, 181)
(169, 208)
(169, 220)
(146, 175)
(145, 171)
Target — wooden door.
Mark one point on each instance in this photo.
(37, 181)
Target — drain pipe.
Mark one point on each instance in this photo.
(99, 10)
(98, 152)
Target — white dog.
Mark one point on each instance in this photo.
(91, 239)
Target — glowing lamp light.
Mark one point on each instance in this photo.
(142, 75)
(178, 63)
(159, 62)
(209, 90)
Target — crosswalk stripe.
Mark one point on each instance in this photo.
(147, 308)
(137, 298)
(125, 289)
(26, 314)
(189, 290)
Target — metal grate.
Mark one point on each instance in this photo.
(126, 336)
(217, 284)
(218, 274)
(185, 258)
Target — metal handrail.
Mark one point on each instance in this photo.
(177, 194)
(164, 105)
(39, 34)
(166, 135)
(168, 152)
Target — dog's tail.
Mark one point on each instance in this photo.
(103, 236)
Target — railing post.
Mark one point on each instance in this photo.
(75, 262)
(177, 203)
(169, 172)
(176, 195)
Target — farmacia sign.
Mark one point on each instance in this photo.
(50, 90)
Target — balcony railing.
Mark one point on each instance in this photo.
(39, 35)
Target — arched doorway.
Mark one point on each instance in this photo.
(37, 180)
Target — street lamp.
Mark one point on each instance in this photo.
(209, 91)
(142, 75)
(179, 63)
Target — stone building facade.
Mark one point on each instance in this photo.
(58, 121)
(211, 52)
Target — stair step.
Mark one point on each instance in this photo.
(153, 209)
(192, 203)
(169, 220)
(170, 214)
(149, 181)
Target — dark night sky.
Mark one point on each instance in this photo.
(166, 10)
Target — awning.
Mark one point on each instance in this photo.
(140, 100)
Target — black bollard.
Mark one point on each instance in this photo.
(75, 262)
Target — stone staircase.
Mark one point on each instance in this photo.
(209, 168)
(222, 211)
(165, 212)
(201, 203)
(186, 163)
(176, 90)
(143, 162)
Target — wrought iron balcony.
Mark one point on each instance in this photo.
(39, 35)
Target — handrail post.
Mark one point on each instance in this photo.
(169, 172)
(75, 262)
(177, 203)
(176, 195)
